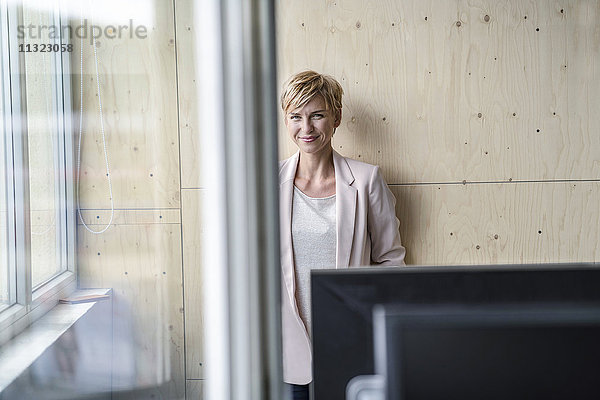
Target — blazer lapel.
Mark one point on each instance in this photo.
(286, 190)
(345, 210)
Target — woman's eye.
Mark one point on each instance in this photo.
(317, 116)
(294, 117)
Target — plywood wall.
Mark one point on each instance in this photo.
(140, 255)
(482, 115)
(192, 194)
(151, 253)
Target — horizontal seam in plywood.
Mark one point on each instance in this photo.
(494, 182)
(133, 223)
(193, 188)
(130, 209)
(194, 379)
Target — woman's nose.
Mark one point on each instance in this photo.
(307, 126)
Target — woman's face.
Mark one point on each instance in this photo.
(311, 127)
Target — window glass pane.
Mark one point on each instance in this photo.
(4, 278)
(5, 281)
(43, 143)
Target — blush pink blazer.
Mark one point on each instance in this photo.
(367, 234)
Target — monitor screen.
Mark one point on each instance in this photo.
(531, 351)
(343, 301)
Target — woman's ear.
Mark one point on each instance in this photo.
(338, 119)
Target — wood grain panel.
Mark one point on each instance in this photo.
(191, 174)
(500, 223)
(142, 264)
(193, 240)
(583, 66)
(194, 390)
(455, 90)
(139, 100)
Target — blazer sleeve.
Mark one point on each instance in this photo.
(383, 226)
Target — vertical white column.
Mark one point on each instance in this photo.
(209, 72)
(238, 128)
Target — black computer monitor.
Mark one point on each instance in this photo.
(343, 301)
(526, 351)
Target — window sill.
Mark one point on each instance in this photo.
(18, 317)
(18, 354)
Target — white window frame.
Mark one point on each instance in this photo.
(28, 303)
(7, 126)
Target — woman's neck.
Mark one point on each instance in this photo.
(316, 166)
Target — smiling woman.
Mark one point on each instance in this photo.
(335, 213)
(313, 106)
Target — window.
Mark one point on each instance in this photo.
(45, 140)
(7, 289)
(37, 224)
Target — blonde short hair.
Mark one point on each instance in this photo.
(304, 86)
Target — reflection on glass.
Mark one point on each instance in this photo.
(140, 254)
(44, 166)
